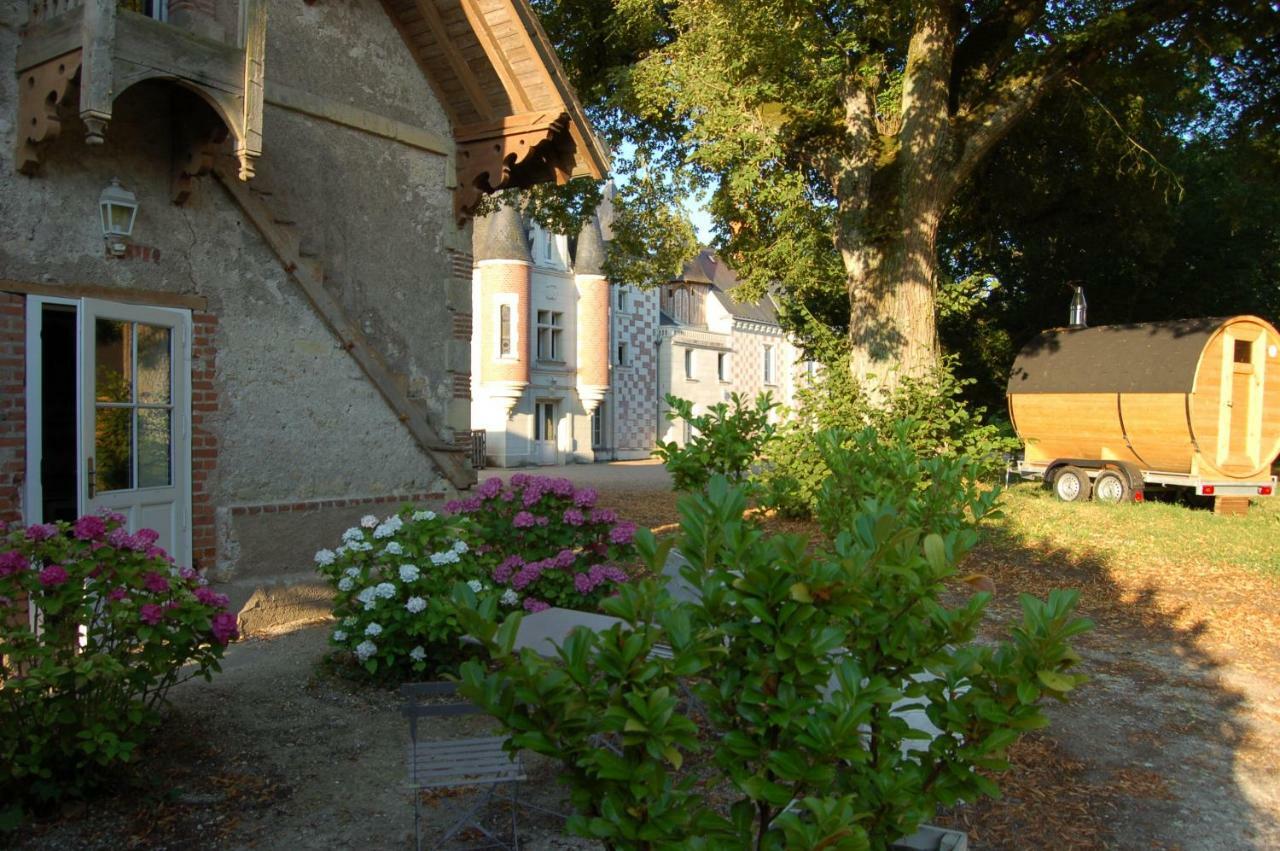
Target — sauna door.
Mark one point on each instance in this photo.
(1240, 443)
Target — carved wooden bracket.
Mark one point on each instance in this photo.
(517, 151)
(41, 90)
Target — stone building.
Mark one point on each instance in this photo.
(563, 363)
(711, 345)
(235, 256)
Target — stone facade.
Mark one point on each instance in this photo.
(323, 310)
(711, 345)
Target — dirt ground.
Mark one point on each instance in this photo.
(1175, 743)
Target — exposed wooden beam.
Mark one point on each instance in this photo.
(497, 55)
(427, 9)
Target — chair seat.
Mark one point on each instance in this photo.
(463, 762)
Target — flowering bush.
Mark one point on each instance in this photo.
(546, 543)
(392, 580)
(116, 622)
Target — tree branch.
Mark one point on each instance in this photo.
(988, 45)
(926, 80)
(1008, 99)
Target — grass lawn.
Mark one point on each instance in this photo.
(1138, 534)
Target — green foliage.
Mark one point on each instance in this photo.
(727, 440)
(926, 416)
(118, 625)
(803, 664)
(652, 235)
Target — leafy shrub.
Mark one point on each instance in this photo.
(803, 665)
(928, 412)
(391, 581)
(727, 439)
(116, 624)
(546, 543)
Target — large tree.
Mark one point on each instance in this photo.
(837, 135)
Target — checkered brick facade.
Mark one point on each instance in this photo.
(634, 394)
(747, 361)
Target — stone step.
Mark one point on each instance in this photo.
(269, 605)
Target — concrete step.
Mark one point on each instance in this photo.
(269, 605)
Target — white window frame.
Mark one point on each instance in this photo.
(688, 365)
(769, 366)
(624, 302)
(554, 326)
(722, 367)
(624, 353)
(512, 303)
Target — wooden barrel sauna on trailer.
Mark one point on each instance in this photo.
(1108, 411)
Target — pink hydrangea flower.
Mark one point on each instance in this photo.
(211, 598)
(151, 613)
(12, 562)
(90, 528)
(53, 576)
(223, 627)
(489, 488)
(117, 594)
(41, 531)
(155, 583)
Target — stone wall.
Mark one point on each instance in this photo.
(634, 397)
(282, 414)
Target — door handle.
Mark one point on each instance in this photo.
(91, 476)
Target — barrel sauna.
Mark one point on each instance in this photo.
(1193, 401)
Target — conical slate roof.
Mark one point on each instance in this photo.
(589, 259)
(500, 236)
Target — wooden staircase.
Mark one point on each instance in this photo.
(280, 231)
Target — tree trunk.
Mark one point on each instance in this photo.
(892, 286)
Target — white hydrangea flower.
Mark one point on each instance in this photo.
(365, 649)
(510, 597)
(353, 572)
(360, 546)
(369, 605)
(423, 515)
(349, 621)
(417, 654)
(345, 583)
(339, 636)
(409, 573)
(388, 527)
(415, 604)
(460, 547)
(385, 590)
(355, 533)
(324, 558)
(476, 585)
(368, 521)
(367, 595)
(373, 629)
(444, 557)
(342, 550)
(393, 549)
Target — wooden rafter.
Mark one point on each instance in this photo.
(517, 151)
(497, 55)
(431, 15)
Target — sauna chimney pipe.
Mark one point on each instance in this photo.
(1078, 309)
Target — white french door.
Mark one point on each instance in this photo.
(134, 416)
(544, 433)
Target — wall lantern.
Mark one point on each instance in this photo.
(119, 208)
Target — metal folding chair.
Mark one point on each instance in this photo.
(449, 763)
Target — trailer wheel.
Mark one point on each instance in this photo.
(1111, 487)
(1071, 484)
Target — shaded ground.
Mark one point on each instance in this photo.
(1172, 745)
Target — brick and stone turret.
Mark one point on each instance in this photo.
(503, 262)
(593, 317)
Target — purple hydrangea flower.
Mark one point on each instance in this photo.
(523, 520)
(622, 533)
(223, 627)
(53, 576)
(533, 605)
(90, 528)
(151, 614)
(573, 517)
(603, 515)
(585, 498)
(41, 531)
(155, 583)
(12, 562)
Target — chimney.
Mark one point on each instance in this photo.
(1079, 307)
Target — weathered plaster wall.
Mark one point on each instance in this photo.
(297, 419)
